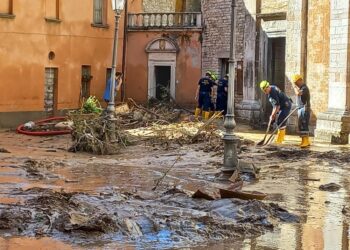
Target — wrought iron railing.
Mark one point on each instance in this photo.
(169, 20)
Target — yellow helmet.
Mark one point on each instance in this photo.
(296, 78)
(264, 84)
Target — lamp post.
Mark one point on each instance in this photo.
(230, 140)
(117, 6)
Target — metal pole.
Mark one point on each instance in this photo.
(230, 140)
(111, 103)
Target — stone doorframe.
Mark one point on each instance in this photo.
(161, 52)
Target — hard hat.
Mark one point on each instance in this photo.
(264, 84)
(296, 78)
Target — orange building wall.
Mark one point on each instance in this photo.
(26, 40)
(188, 66)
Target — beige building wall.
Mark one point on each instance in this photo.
(318, 37)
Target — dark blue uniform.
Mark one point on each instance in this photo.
(221, 98)
(204, 98)
(278, 98)
(303, 102)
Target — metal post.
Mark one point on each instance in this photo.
(111, 103)
(230, 140)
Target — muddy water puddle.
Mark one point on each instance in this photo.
(116, 193)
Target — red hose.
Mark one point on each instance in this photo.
(20, 128)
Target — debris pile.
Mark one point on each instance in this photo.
(131, 115)
(92, 133)
(172, 218)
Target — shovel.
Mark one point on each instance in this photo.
(267, 130)
(278, 127)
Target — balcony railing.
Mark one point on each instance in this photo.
(170, 20)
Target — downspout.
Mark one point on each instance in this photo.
(125, 39)
(304, 28)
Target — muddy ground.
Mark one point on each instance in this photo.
(50, 197)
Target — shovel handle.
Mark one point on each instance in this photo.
(278, 127)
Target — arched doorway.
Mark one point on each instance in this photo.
(162, 69)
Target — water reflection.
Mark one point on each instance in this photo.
(324, 226)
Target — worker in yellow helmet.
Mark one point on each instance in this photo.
(304, 108)
(281, 105)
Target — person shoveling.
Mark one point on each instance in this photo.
(281, 104)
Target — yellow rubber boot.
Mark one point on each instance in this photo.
(206, 115)
(302, 141)
(280, 136)
(211, 113)
(197, 112)
(306, 142)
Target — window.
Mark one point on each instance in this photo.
(52, 10)
(50, 98)
(6, 9)
(100, 13)
(108, 74)
(85, 81)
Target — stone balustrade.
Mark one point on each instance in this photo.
(170, 20)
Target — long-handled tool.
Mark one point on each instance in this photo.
(267, 131)
(278, 127)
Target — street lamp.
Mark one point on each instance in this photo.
(117, 6)
(230, 140)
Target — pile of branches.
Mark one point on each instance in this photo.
(187, 133)
(153, 113)
(92, 133)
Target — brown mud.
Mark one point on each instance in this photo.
(107, 201)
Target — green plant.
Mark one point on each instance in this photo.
(91, 105)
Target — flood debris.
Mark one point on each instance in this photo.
(4, 150)
(244, 195)
(330, 187)
(91, 133)
(207, 194)
(187, 220)
(40, 169)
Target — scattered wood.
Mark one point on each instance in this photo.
(3, 150)
(311, 179)
(244, 195)
(205, 194)
(159, 181)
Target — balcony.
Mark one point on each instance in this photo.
(169, 20)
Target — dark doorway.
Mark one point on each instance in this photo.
(163, 76)
(276, 66)
(277, 59)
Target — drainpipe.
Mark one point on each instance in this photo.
(304, 29)
(125, 39)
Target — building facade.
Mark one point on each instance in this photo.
(53, 53)
(52, 56)
(276, 39)
(163, 58)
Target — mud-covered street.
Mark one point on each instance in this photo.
(53, 199)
